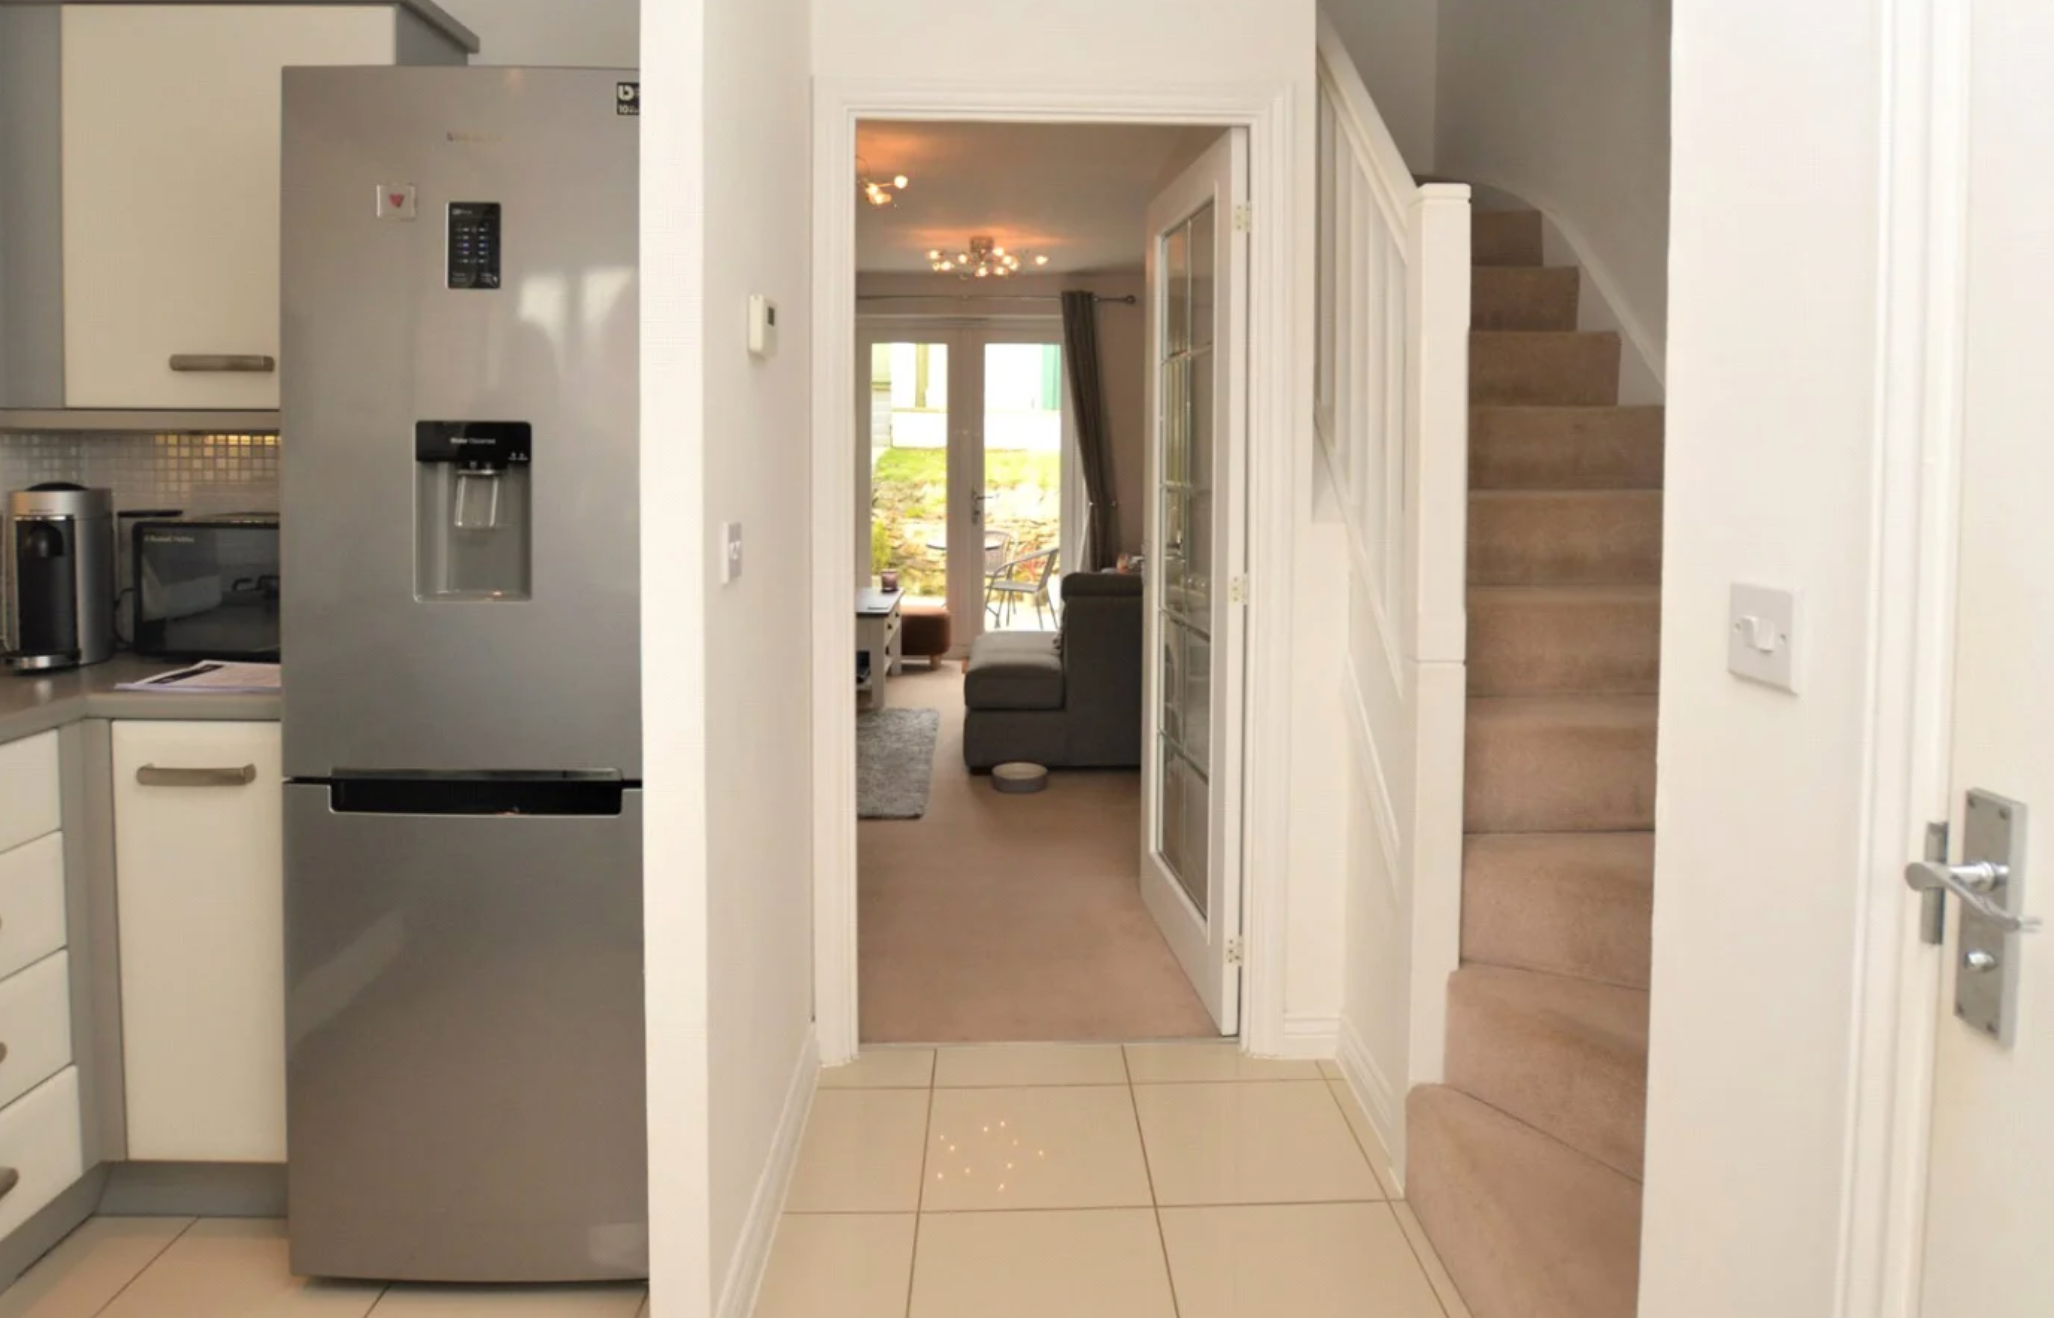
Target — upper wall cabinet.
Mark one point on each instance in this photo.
(169, 118)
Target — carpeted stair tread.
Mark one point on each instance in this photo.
(1551, 368)
(1505, 237)
(1524, 297)
(1560, 764)
(1565, 448)
(1565, 538)
(1573, 904)
(1565, 1056)
(1527, 1226)
(1564, 640)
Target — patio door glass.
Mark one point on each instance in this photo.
(908, 409)
(1020, 492)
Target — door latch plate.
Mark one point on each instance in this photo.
(1987, 961)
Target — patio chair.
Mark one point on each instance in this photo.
(1023, 578)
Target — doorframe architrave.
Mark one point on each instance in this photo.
(1279, 418)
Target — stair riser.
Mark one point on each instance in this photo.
(1505, 237)
(1565, 449)
(1598, 647)
(1568, 1244)
(1596, 926)
(1523, 298)
(1550, 370)
(1590, 1094)
(1601, 539)
(1543, 776)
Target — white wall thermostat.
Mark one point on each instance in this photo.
(762, 326)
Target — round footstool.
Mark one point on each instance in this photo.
(924, 632)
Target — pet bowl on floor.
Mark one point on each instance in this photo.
(1019, 779)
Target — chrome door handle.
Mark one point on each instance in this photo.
(240, 363)
(152, 776)
(1973, 884)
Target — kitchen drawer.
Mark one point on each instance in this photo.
(31, 902)
(41, 1153)
(28, 790)
(35, 1026)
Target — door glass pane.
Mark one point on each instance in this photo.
(909, 467)
(1023, 485)
(1185, 509)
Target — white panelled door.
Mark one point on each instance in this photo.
(1197, 534)
(1990, 1205)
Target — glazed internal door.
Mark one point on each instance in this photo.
(1197, 292)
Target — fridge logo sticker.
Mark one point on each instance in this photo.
(627, 98)
(396, 201)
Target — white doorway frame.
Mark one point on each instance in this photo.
(1279, 404)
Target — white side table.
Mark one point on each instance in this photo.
(879, 651)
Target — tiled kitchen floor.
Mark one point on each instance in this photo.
(1152, 1181)
(1003, 1181)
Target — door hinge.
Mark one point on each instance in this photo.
(1237, 590)
(1932, 924)
(1244, 218)
(1233, 951)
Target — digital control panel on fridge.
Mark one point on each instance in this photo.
(462, 719)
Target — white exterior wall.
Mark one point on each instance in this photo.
(1772, 455)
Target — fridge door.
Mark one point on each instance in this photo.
(464, 1045)
(499, 294)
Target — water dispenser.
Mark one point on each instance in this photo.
(474, 540)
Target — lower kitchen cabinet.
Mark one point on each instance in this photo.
(41, 1152)
(199, 882)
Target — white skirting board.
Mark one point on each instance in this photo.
(752, 1252)
(1384, 1104)
(1310, 1038)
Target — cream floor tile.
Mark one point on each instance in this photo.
(510, 1302)
(883, 1068)
(1199, 1063)
(991, 1149)
(1430, 1260)
(235, 1269)
(1009, 1064)
(861, 1153)
(1366, 1136)
(1102, 1264)
(79, 1277)
(1308, 1261)
(839, 1266)
(1331, 1070)
(1281, 1143)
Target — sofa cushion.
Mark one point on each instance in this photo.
(1014, 670)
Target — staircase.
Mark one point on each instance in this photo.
(1525, 1166)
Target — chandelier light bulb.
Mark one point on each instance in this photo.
(901, 181)
(1041, 260)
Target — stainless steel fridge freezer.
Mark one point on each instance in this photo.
(465, 1095)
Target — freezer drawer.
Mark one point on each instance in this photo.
(464, 1044)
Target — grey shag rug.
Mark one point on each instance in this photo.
(895, 762)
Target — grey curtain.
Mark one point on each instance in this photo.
(1087, 396)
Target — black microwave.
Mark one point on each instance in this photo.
(206, 588)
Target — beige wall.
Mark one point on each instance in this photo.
(1393, 44)
(1123, 360)
(602, 34)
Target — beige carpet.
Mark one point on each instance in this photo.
(1012, 918)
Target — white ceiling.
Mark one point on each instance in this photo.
(1078, 192)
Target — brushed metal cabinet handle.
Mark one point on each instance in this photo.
(248, 363)
(152, 776)
(9, 1178)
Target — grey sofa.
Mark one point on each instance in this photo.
(1068, 700)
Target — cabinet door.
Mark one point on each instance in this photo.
(200, 899)
(171, 143)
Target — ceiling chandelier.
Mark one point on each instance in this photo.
(985, 259)
(885, 193)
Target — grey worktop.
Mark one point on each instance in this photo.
(32, 704)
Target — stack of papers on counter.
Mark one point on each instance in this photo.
(213, 678)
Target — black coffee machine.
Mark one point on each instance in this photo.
(60, 545)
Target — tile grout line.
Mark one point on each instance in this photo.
(115, 1298)
(920, 1198)
(1341, 1106)
(1162, 1239)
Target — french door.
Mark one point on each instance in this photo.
(1198, 297)
(967, 478)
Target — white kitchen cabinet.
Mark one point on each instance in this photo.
(171, 122)
(199, 883)
(42, 1150)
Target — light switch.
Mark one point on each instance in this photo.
(730, 552)
(1762, 636)
(762, 326)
